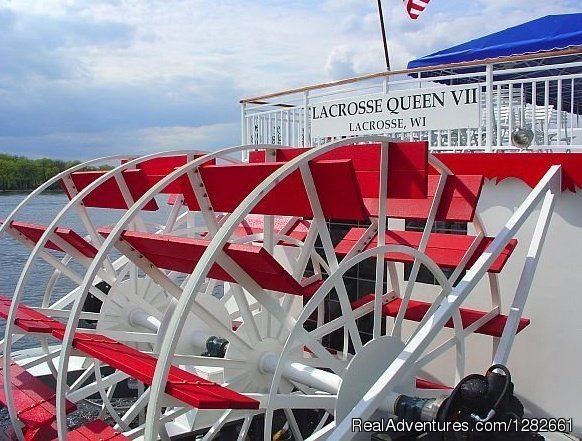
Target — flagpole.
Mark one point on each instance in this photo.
(383, 35)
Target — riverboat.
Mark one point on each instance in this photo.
(402, 247)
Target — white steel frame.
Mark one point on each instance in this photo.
(214, 254)
(381, 395)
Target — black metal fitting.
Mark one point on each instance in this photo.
(216, 347)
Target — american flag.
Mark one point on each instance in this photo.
(415, 7)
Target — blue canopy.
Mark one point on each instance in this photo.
(552, 32)
(546, 34)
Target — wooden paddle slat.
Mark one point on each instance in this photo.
(417, 309)
(28, 319)
(35, 231)
(185, 386)
(34, 400)
(446, 250)
(183, 254)
(108, 194)
(92, 431)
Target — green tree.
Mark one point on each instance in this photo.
(20, 173)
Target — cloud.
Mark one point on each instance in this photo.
(340, 63)
(207, 137)
(174, 70)
(90, 107)
(83, 144)
(7, 19)
(34, 46)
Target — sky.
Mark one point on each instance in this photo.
(88, 78)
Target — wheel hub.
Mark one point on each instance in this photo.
(365, 369)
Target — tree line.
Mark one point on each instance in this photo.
(23, 174)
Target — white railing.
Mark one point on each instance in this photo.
(505, 105)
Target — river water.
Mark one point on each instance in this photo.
(13, 255)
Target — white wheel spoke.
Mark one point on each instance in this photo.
(213, 431)
(246, 314)
(245, 428)
(293, 425)
(449, 343)
(136, 408)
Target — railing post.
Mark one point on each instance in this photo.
(546, 113)
(307, 122)
(569, 140)
(243, 125)
(559, 119)
(489, 107)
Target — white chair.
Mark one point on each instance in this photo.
(540, 119)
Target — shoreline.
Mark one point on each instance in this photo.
(29, 191)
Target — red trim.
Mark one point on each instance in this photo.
(527, 167)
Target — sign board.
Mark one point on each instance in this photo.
(454, 107)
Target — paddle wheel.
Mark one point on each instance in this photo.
(219, 315)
